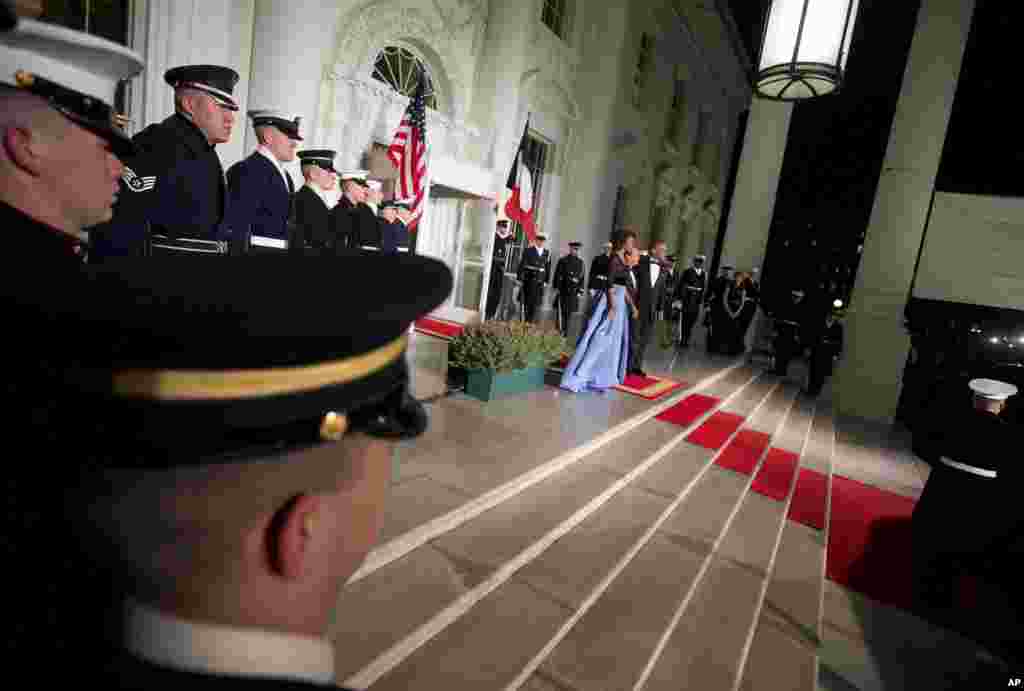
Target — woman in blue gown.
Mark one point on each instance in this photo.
(602, 353)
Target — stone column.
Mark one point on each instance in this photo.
(868, 381)
(291, 42)
(757, 183)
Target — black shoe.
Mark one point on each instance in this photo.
(639, 372)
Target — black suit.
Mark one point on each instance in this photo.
(648, 296)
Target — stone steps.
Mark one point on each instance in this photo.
(643, 561)
(459, 568)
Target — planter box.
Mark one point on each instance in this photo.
(487, 384)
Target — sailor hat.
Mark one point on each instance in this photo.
(323, 158)
(148, 390)
(576, 245)
(356, 176)
(287, 123)
(76, 73)
(219, 82)
(374, 185)
(992, 389)
(542, 236)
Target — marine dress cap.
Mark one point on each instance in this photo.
(77, 74)
(288, 124)
(324, 158)
(215, 80)
(225, 367)
(992, 389)
(542, 236)
(374, 185)
(406, 204)
(576, 245)
(502, 222)
(356, 176)
(389, 204)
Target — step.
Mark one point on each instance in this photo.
(706, 638)
(782, 653)
(515, 464)
(484, 651)
(476, 556)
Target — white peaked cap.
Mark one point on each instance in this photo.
(992, 389)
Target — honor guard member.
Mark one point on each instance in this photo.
(344, 216)
(389, 224)
(369, 225)
(499, 259)
(689, 295)
(967, 506)
(260, 189)
(312, 203)
(534, 273)
(715, 314)
(405, 207)
(60, 172)
(598, 283)
(569, 282)
(791, 321)
(174, 185)
(827, 346)
(229, 491)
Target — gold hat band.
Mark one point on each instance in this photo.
(193, 385)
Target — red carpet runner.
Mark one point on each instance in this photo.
(439, 328)
(810, 499)
(743, 452)
(776, 475)
(651, 388)
(689, 409)
(713, 433)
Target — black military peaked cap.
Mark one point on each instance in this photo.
(274, 118)
(323, 158)
(8, 17)
(192, 361)
(77, 74)
(576, 245)
(215, 80)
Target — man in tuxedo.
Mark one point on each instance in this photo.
(650, 276)
(260, 189)
(229, 508)
(313, 203)
(534, 273)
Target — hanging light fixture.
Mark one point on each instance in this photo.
(804, 48)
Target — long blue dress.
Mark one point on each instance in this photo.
(602, 353)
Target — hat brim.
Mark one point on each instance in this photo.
(120, 143)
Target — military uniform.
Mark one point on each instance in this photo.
(716, 315)
(173, 190)
(260, 192)
(534, 273)
(394, 236)
(312, 213)
(825, 349)
(346, 217)
(367, 228)
(791, 332)
(499, 258)
(569, 282)
(690, 290)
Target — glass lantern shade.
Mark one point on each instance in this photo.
(804, 48)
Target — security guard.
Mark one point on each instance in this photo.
(568, 283)
(689, 294)
(312, 204)
(534, 273)
(260, 189)
(345, 216)
(499, 258)
(826, 347)
(60, 168)
(174, 186)
(966, 506)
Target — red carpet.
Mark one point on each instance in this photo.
(809, 499)
(743, 452)
(776, 475)
(869, 542)
(439, 328)
(713, 433)
(651, 388)
(688, 410)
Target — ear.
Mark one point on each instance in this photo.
(24, 148)
(292, 535)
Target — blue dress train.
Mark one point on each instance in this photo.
(602, 353)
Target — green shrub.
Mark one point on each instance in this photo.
(506, 346)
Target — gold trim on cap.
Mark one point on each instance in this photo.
(197, 385)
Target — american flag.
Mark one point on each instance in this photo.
(409, 152)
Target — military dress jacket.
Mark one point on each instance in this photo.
(599, 272)
(569, 277)
(312, 221)
(259, 199)
(173, 185)
(368, 227)
(499, 255)
(690, 289)
(393, 237)
(535, 266)
(344, 225)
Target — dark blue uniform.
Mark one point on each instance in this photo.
(173, 186)
(534, 273)
(312, 221)
(394, 237)
(260, 201)
(368, 227)
(344, 225)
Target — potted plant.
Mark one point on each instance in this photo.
(504, 357)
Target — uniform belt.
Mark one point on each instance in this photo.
(402, 249)
(370, 248)
(188, 245)
(973, 469)
(534, 268)
(786, 321)
(264, 241)
(693, 288)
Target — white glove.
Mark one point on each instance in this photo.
(677, 305)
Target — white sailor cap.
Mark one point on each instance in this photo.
(992, 389)
(542, 236)
(76, 73)
(702, 258)
(357, 176)
(286, 122)
(374, 185)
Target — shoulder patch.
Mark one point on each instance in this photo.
(136, 183)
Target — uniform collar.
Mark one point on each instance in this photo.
(37, 239)
(169, 641)
(265, 153)
(192, 135)
(320, 193)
